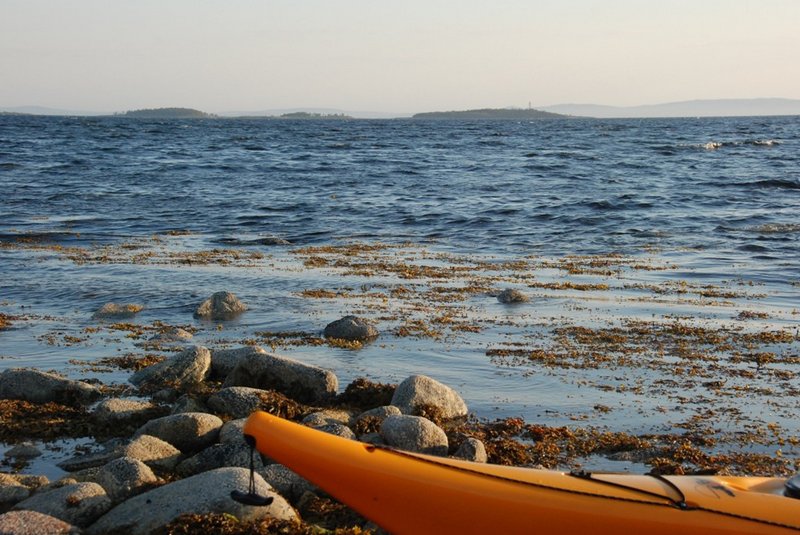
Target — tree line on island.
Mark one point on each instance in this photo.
(516, 114)
(189, 113)
(484, 113)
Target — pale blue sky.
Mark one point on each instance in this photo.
(401, 56)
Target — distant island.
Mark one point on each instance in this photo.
(515, 114)
(166, 113)
(309, 115)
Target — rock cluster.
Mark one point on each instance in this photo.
(182, 458)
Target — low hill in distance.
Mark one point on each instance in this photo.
(313, 116)
(167, 113)
(514, 114)
(761, 107)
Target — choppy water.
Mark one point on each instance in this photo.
(726, 186)
(720, 197)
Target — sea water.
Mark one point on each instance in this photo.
(708, 201)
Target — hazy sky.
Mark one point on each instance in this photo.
(399, 56)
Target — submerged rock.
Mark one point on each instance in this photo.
(351, 328)
(171, 335)
(262, 240)
(297, 380)
(42, 387)
(420, 391)
(510, 295)
(220, 306)
(23, 451)
(209, 492)
(114, 311)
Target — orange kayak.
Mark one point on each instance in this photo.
(412, 493)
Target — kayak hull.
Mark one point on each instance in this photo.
(413, 493)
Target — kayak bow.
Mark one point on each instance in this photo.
(414, 493)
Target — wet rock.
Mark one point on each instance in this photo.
(380, 412)
(81, 476)
(643, 455)
(166, 395)
(79, 504)
(32, 482)
(124, 477)
(220, 306)
(286, 482)
(472, 449)
(153, 452)
(120, 411)
(510, 295)
(351, 328)
(419, 391)
(295, 379)
(372, 438)
(236, 401)
(23, 451)
(187, 403)
(337, 429)
(189, 431)
(209, 492)
(42, 387)
(218, 456)
(263, 240)
(11, 491)
(90, 460)
(371, 420)
(223, 361)
(114, 311)
(232, 432)
(33, 523)
(186, 369)
(414, 433)
(171, 335)
(328, 416)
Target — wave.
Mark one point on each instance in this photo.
(714, 145)
(776, 228)
(777, 183)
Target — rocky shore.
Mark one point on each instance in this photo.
(173, 447)
(163, 454)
